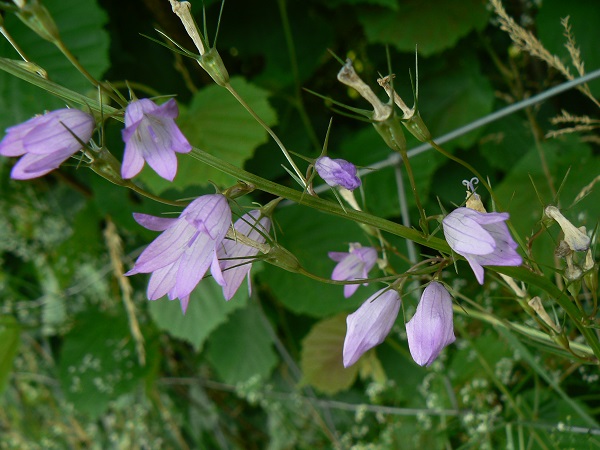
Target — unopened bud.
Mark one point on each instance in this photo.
(239, 189)
(574, 237)
(590, 278)
(391, 132)
(411, 118)
(108, 167)
(36, 16)
(538, 307)
(214, 66)
(281, 257)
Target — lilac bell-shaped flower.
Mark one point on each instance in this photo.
(431, 328)
(369, 325)
(46, 141)
(151, 135)
(233, 255)
(181, 255)
(337, 172)
(354, 265)
(482, 238)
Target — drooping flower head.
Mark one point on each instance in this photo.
(354, 265)
(337, 172)
(431, 328)
(151, 135)
(369, 325)
(46, 141)
(232, 253)
(181, 255)
(481, 237)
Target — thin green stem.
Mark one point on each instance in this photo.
(289, 40)
(268, 129)
(75, 62)
(413, 186)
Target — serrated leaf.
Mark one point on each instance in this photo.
(242, 348)
(10, 333)
(98, 362)
(321, 357)
(432, 26)
(206, 311)
(80, 23)
(216, 123)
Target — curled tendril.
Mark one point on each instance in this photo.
(470, 184)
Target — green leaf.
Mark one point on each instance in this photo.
(10, 334)
(98, 362)
(81, 25)
(391, 4)
(242, 347)
(310, 235)
(433, 26)
(216, 123)
(504, 142)
(261, 50)
(584, 16)
(321, 357)
(380, 188)
(453, 97)
(206, 311)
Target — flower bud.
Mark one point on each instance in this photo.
(392, 134)
(36, 16)
(279, 256)
(370, 324)
(239, 189)
(337, 172)
(538, 307)
(431, 328)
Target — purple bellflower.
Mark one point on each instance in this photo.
(354, 265)
(431, 328)
(232, 254)
(337, 172)
(369, 325)
(482, 238)
(46, 141)
(181, 255)
(151, 135)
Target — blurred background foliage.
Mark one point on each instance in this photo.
(79, 368)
